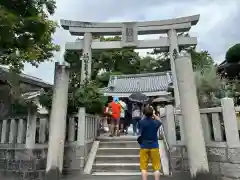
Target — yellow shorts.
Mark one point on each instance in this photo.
(146, 155)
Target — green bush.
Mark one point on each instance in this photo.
(233, 54)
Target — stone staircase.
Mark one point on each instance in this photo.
(117, 156)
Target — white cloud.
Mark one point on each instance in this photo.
(217, 30)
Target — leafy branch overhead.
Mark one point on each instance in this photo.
(26, 32)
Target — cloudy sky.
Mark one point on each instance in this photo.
(217, 30)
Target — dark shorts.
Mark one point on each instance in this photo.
(115, 121)
(122, 120)
(137, 119)
(109, 120)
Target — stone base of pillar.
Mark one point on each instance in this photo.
(199, 176)
(205, 176)
(53, 174)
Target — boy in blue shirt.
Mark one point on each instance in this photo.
(149, 127)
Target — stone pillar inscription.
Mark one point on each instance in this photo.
(191, 116)
(87, 51)
(129, 35)
(172, 34)
(57, 123)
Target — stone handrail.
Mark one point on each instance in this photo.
(32, 131)
(210, 110)
(219, 125)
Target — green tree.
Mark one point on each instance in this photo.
(103, 78)
(25, 37)
(26, 32)
(150, 64)
(73, 58)
(233, 54)
(89, 96)
(85, 95)
(124, 60)
(211, 87)
(230, 67)
(200, 59)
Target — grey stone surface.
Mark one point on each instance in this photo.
(227, 178)
(223, 161)
(234, 155)
(217, 154)
(175, 176)
(214, 167)
(20, 163)
(176, 164)
(230, 170)
(176, 152)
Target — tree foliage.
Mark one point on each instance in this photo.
(25, 37)
(150, 64)
(200, 59)
(26, 32)
(89, 96)
(73, 58)
(22, 106)
(211, 87)
(85, 95)
(103, 78)
(233, 54)
(124, 60)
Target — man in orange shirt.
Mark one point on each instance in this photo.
(116, 111)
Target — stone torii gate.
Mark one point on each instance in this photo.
(183, 79)
(129, 32)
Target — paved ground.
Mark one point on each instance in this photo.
(175, 176)
(89, 177)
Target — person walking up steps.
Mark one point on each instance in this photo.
(136, 117)
(148, 140)
(115, 113)
(122, 115)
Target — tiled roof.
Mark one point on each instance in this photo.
(150, 82)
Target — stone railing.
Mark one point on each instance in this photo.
(221, 138)
(23, 147)
(34, 129)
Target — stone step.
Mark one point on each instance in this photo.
(119, 144)
(120, 138)
(119, 173)
(117, 159)
(118, 167)
(117, 151)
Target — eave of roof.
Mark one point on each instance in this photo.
(145, 83)
(28, 79)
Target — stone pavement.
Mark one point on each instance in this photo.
(90, 177)
(175, 176)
